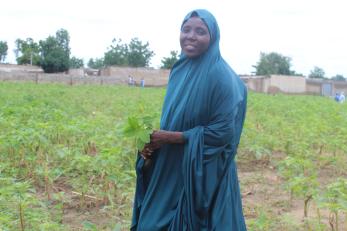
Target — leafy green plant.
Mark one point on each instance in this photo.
(20, 209)
(335, 199)
(62, 141)
(301, 178)
(263, 222)
(139, 129)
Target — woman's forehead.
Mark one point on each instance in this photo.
(196, 21)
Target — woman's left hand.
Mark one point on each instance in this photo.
(160, 137)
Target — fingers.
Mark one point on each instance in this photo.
(146, 153)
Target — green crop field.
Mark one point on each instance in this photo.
(67, 156)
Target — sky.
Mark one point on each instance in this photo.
(310, 32)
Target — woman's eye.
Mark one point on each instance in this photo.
(200, 31)
(186, 29)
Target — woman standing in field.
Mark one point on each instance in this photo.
(191, 182)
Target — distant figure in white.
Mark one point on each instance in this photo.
(142, 82)
(130, 81)
(340, 97)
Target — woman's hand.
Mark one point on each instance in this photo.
(158, 139)
(147, 151)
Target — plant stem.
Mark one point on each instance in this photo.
(21, 216)
(47, 185)
(307, 200)
(319, 216)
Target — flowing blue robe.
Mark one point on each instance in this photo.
(194, 186)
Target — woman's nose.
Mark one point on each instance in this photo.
(191, 35)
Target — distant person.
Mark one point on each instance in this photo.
(342, 97)
(130, 81)
(142, 83)
(337, 97)
(187, 175)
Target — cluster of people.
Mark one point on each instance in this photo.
(132, 82)
(340, 97)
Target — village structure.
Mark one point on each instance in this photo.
(272, 84)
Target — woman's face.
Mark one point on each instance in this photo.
(194, 37)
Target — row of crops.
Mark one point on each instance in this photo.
(305, 139)
(67, 154)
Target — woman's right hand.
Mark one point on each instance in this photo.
(147, 151)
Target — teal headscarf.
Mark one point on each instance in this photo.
(195, 186)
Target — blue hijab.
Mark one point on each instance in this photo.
(194, 186)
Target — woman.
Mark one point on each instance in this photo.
(191, 182)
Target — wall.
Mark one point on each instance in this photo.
(152, 77)
(313, 87)
(255, 83)
(61, 79)
(13, 68)
(339, 86)
(288, 84)
(111, 75)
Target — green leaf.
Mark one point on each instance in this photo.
(89, 226)
(117, 227)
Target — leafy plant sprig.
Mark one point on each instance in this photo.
(139, 130)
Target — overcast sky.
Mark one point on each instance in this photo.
(311, 32)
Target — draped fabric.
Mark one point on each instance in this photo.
(194, 186)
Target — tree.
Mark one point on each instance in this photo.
(116, 54)
(96, 64)
(63, 39)
(168, 62)
(139, 55)
(134, 54)
(53, 56)
(76, 63)
(273, 64)
(3, 51)
(338, 78)
(55, 52)
(317, 73)
(27, 52)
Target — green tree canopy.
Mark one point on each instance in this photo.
(134, 54)
(317, 73)
(27, 52)
(116, 54)
(63, 40)
(76, 62)
(168, 62)
(273, 64)
(338, 78)
(3, 51)
(139, 55)
(55, 52)
(96, 64)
